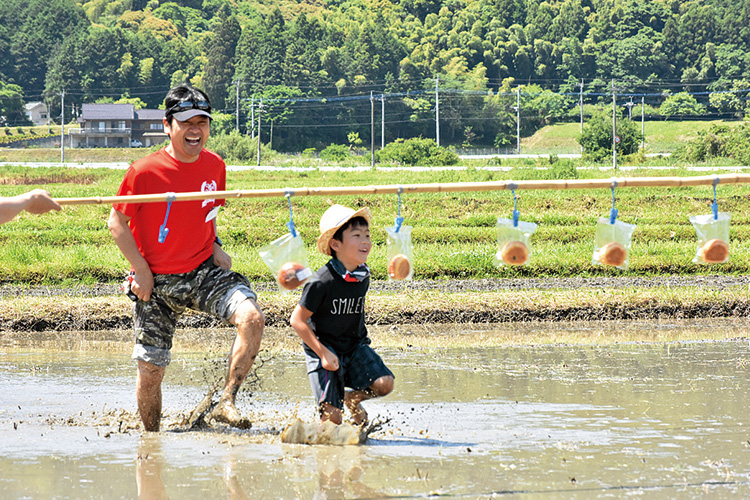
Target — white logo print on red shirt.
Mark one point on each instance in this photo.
(208, 186)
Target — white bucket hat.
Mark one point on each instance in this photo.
(332, 220)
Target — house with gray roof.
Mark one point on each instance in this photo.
(117, 126)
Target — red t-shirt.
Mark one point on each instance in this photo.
(190, 238)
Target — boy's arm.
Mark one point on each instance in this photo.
(143, 279)
(37, 201)
(299, 318)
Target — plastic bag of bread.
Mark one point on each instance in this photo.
(713, 237)
(612, 243)
(400, 253)
(286, 258)
(513, 242)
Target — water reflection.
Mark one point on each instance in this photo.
(151, 463)
(231, 478)
(340, 471)
(148, 469)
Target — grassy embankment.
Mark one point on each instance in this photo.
(661, 136)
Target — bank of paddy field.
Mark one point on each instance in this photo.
(446, 302)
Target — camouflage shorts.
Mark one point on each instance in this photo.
(207, 288)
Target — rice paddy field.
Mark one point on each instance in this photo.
(453, 233)
(498, 393)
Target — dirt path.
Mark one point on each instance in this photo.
(716, 282)
(102, 307)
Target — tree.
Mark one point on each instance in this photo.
(540, 107)
(277, 108)
(185, 18)
(124, 99)
(686, 35)
(220, 57)
(681, 104)
(638, 56)
(261, 52)
(571, 21)
(34, 29)
(732, 100)
(596, 138)
(499, 108)
(302, 63)
(146, 70)
(12, 105)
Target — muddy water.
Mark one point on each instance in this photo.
(653, 420)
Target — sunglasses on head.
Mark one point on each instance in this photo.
(186, 105)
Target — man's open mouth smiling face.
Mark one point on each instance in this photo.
(188, 137)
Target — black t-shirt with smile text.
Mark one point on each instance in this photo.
(338, 308)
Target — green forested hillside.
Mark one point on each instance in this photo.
(316, 63)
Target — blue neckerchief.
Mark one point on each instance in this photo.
(360, 274)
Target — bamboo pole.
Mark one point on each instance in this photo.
(418, 188)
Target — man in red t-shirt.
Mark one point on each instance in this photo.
(176, 257)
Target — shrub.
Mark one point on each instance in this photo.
(221, 123)
(681, 104)
(420, 151)
(718, 141)
(596, 138)
(335, 152)
(235, 146)
(557, 168)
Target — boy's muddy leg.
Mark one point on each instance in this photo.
(381, 387)
(352, 401)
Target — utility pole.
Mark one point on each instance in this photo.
(62, 127)
(643, 130)
(382, 121)
(237, 108)
(580, 106)
(260, 106)
(518, 120)
(614, 127)
(252, 117)
(630, 105)
(437, 113)
(372, 131)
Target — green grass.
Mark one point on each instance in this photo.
(453, 235)
(72, 155)
(661, 136)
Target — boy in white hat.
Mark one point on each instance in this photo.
(330, 320)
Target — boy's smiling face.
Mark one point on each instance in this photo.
(354, 246)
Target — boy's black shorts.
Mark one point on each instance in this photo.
(357, 370)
